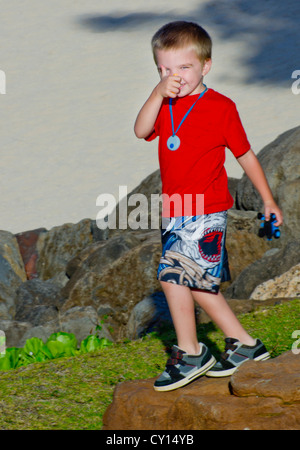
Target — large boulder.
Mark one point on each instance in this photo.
(285, 285)
(273, 263)
(37, 301)
(57, 246)
(113, 276)
(258, 396)
(281, 163)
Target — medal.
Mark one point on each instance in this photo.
(173, 143)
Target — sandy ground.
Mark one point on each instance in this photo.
(77, 73)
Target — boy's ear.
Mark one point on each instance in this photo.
(206, 67)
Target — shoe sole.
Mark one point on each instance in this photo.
(228, 372)
(189, 378)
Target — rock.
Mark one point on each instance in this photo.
(12, 273)
(129, 207)
(9, 282)
(40, 331)
(281, 163)
(242, 242)
(58, 246)
(259, 396)
(9, 249)
(279, 377)
(148, 315)
(82, 321)
(37, 302)
(151, 185)
(14, 332)
(27, 245)
(100, 254)
(115, 274)
(274, 263)
(142, 315)
(285, 285)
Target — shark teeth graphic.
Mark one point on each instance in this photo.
(210, 245)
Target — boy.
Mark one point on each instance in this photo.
(194, 125)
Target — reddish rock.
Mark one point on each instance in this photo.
(27, 245)
(279, 378)
(259, 396)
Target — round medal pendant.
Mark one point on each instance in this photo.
(173, 143)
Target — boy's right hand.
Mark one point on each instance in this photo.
(169, 85)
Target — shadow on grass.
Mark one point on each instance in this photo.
(162, 326)
(166, 333)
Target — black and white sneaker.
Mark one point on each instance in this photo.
(183, 368)
(236, 354)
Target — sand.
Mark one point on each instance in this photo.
(78, 72)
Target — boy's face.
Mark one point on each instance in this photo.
(184, 63)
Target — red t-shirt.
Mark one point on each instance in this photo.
(197, 166)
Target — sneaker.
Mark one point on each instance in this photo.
(236, 354)
(183, 368)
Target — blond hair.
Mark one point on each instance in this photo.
(180, 34)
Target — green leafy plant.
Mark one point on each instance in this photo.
(92, 343)
(58, 345)
(62, 344)
(12, 358)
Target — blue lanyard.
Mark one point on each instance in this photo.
(185, 116)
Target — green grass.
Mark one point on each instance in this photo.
(73, 393)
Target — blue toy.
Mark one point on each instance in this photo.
(267, 227)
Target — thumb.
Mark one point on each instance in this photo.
(267, 214)
(163, 71)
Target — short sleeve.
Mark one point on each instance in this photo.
(151, 136)
(234, 132)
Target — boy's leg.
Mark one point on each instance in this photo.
(216, 306)
(182, 308)
(181, 304)
(188, 360)
(239, 345)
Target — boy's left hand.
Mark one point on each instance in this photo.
(271, 207)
